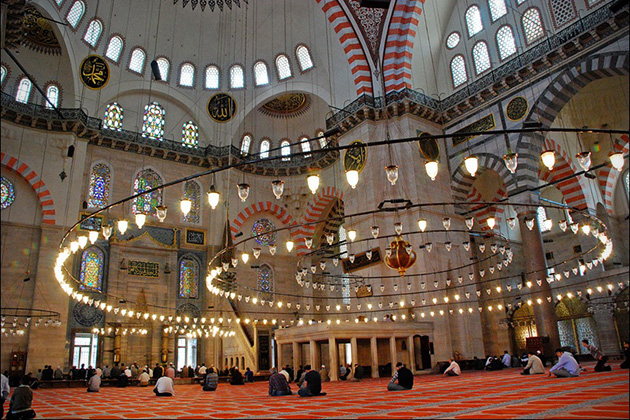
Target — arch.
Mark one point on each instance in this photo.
(399, 44)
(92, 268)
(100, 182)
(608, 176)
(572, 189)
(260, 207)
(261, 73)
(38, 185)
(115, 48)
(265, 281)
(283, 67)
(143, 180)
(351, 45)
(191, 190)
(481, 213)
(186, 75)
(313, 213)
(164, 65)
(189, 273)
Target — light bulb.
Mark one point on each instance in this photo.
(470, 222)
(107, 231)
(289, 245)
(398, 227)
(616, 160)
(313, 183)
(243, 191)
(213, 197)
(511, 161)
(446, 222)
(122, 226)
(392, 173)
(277, 187)
(491, 221)
(256, 252)
(82, 241)
(375, 231)
(472, 164)
(422, 224)
(548, 224)
(74, 246)
(584, 159)
(352, 235)
(185, 205)
(432, 169)
(585, 228)
(160, 213)
(140, 219)
(548, 159)
(245, 257)
(93, 236)
(352, 176)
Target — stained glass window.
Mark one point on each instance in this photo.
(114, 48)
(164, 65)
(473, 20)
(24, 90)
(93, 32)
(265, 281)
(497, 9)
(190, 134)
(283, 67)
(136, 62)
(304, 57)
(458, 71)
(245, 144)
(189, 278)
(306, 146)
(505, 41)
(261, 75)
(264, 232)
(153, 126)
(8, 193)
(91, 277)
(146, 203)
(187, 75)
(100, 183)
(532, 25)
(481, 58)
(237, 77)
(212, 77)
(264, 149)
(192, 191)
(52, 93)
(285, 150)
(113, 117)
(453, 40)
(75, 13)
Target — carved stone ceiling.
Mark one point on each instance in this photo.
(289, 105)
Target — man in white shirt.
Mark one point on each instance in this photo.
(202, 370)
(507, 359)
(128, 372)
(164, 387)
(94, 383)
(144, 378)
(453, 369)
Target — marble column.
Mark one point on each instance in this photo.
(354, 351)
(412, 355)
(392, 352)
(374, 351)
(279, 354)
(534, 263)
(314, 356)
(296, 355)
(333, 369)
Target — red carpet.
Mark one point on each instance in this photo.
(505, 394)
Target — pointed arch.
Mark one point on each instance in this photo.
(572, 189)
(92, 268)
(608, 176)
(189, 275)
(261, 207)
(313, 213)
(100, 183)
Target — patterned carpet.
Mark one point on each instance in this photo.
(505, 394)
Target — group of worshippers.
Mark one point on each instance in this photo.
(309, 383)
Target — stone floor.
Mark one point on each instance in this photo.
(505, 394)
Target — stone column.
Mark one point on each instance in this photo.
(374, 349)
(354, 351)
(535, 264)
(314, 355)
(296, 355)
(279, 353)
(333, 369)
(412, 355)
(392, 352)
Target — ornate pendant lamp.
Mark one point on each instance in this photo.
(400, 259)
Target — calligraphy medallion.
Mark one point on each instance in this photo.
(221, 107)
(94, 72)
(355, 157)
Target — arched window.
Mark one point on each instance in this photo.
(306, 146)
(265, 232)
(304, 58)
(543, 224)
(265, 282)
(100, 183)
(212, 77)
(92, 263)
(114, 48)
(165, 66)
(323, 141)
(285, 150)
(264, 149)
(113, 117)
(93, 32)
(246, 143)
(192, 191)
(75, 13)
(481, 58)
(505, 42)
(188, 278)
(458, 71)
(187, 75)
(497, 9)
(473, 21)
(190, 134)
(283, 67)
(532, 25)
(146, 203)
(562, 11)
(153, 125)
(237, 77)
(8, 193)
(52, 93)
(136, 63)
(261, 75)
(24, 90)
(575, 324)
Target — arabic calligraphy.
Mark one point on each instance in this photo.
(221, 107)
(355, 157)
(143, 269)
(94, 72)
(484, 124)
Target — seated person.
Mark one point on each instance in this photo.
(249, 375)
(323, 373)
(123, 380)
(94, 383)
(212, 380)
(144, 378)
(358, 373)
(597, 355)
(278, 384)
(312, 386)
(286, 374)
(21, 403)
(237, 377)
(567, 366)
(495, 364)
(479, 363)
(404, 378)
(300, 380)
(626, 354)
(343, 373)
(164, 387)
(524, 359)
(507, 359)
(534, 365)
(453, 369)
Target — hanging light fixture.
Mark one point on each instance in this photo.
(548, 224)
(245, 257)
(432, 169)
(93, 236)
(392, 173)
(122, 226)
(352, 176)
(616, 160)
(375, 231)
(511, 161)
(107, 231)
(470, 222)
(160, 213)
(446, 222)
(491, 222)
(398, 227)
(313, 183)
(511, 222)
(256, 252)
(472, 164)
(185, 205)
(330, 238)
(399, 259)
(586, 228)
(352, 235)
(141, 218)
(213, 197)
(584, 159)
(272, 249)
(243, 191)
(82, 241)
(422, 224)
(74, 246)
(277, 187)
(548, 159)
(289, 245)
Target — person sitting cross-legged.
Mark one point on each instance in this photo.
(236, 377)
(567, 366)
(534, 365)
(212, 380)
(312, 386)
(278, 384)
(21, 403)
(164, 387)
(94, 383)
(404, 378)
(453, 369)
(144, 378)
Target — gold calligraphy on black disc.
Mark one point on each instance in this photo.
(221, 107)
(355, 157)
(94, 72)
